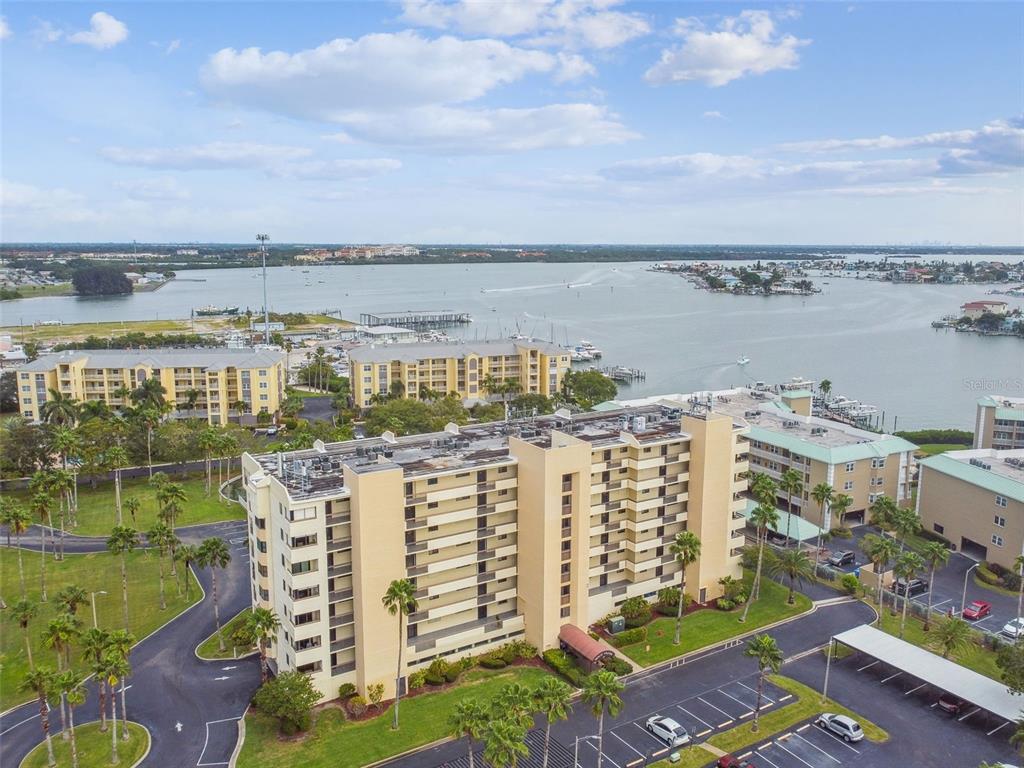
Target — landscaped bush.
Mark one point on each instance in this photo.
(433, 679)
(417, 679)
(630, 636)
(564, 665)
(1011, 580)
(345, 690)
(618, 666)
(523, 649)
(453, 673)
(849, 583)
(439, 668)
(493, 661)
(636, 611)
(290, 698)
(841, 532)
(357, 706)
(988, 576)
(725, 604)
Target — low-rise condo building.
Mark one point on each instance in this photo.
(999, 422)
(975, 498)
(211, 384)
(414, 369)
(507, 530)
(784, 434)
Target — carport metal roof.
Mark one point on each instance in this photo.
(799, 528)
(983, 692)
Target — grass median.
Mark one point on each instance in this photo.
(93, 747)
(424, 718)
(210, 650)
(711, 626)
(976, 657)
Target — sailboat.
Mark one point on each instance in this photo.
(743, 360)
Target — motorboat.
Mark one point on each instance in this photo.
(743, 360)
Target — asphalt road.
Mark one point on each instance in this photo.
(318, 408)
(190, 707)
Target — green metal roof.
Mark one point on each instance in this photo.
(969, 473)
(799, 529)
(987, 401)
(1010, 414)
(874, 449)
(797, 393)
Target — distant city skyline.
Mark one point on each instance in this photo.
(554, 122)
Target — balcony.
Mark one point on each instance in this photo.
(341, 620)
(343, 644)
(429, 640)
(345, 569)
(343, 668)
(336, 545)
(339, 594)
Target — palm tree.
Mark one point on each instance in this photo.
(505, 743)
(207, 442)
(766, 651)
(214, 554)
(70, 685)
(59, 634)
(115, 459)
(908, 564)
(191, 398)
(882, 512)
(763, 517)
(467, 721)
(951, 635)
(170, 497)
(41, 504)
(133, 505)
(795, 565)
(159, 536)
(791, 483)
(554, 700)
(111, 667)
(826, 388)
(121, 541)
(71, 597)
(59, 409)
(94, 643)
(149, 418)
(515, 702)
(62, 482)
(23, 612)
(934, 554)
(120, 646)
(763, 488)
(880, 551)
(1017, 737)
(66, 441)
(905, 523)
(601, 691)
(187, 555)
(94, 409)
(262, 624)
(840, 504)
(17, 521)
(400, 600)
(150, 392)
(40, 681)
(685, 548)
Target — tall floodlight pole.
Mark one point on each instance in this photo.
(266, 309)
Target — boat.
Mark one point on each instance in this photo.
(743, 360)
(589, 348)
(210, 310)
(580, 355)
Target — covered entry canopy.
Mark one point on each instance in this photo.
(984, 692)
(799, 528)
(583, 645)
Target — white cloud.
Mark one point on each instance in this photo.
(172, 46)
(713, 114)
(337, 169)
(45, 32)
(748, 44)
(567, 23)
(338, 138)
(23, 202)
(104, 32)
(5, 29)
(155, 188)
(215, 155)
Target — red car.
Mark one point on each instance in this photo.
(979, 609)
(728, 761)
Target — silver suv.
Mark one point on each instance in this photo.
(845, 727)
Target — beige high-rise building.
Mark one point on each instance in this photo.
(507, 530)
(537, 366)
(220, 379)
(999, 422)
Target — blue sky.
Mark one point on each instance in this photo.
(550, 121)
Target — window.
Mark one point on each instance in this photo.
(1000, 521)
(1001, 501)
(938, 528)
(305, 566)
(305, 513)
(849, 466)
(848, 485)
(997, 540)
(309, 642)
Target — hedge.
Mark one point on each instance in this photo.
(564, 665)
(618, 666)
(630, 636)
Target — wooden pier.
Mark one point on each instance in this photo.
(417, 321)
(622, 373)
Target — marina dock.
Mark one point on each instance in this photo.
(417, 321)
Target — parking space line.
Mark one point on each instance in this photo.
(592, 746)
(936, 605)
(803, 727)
(890, 677)
(651, 735)
(829, 755)
(786, 697)
(973, 711)
(628, 744)
(709, 725)
(867, 666)
(741, 703)
(761, 756)
(997, 728)
(731, 718)
(838, 740)
(783, 748)
(763, 696)
(922, 685)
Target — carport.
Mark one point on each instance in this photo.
(799, 528)
(986, 694)
(589, 651)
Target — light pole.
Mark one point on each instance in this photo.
(92, 596)
(963, 598)
(266, 309)
(576, 750)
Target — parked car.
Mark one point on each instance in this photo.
(728, 761)
(841, 558)
(916, 587)
(949, 703)
(1013, 629)
(271, 431)
(668, 730)
(845, 727)
(979, 609)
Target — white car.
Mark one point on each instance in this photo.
(845, 727)
(668, 730)
(1013, 629)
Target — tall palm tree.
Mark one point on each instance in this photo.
(23, 612)
(880, 551)
(791, 483)
(94, 644)
(505, 743)
(187, 555)
(261, 625)
(207, 442)
(62, 482)
(934, 554)
(149, 418)
(115, 459)
(112, 667)
(120, 647)
(796, 566)
(905, 523)
(71, 597)
(70, 685)
(515, 702)
(766, 652)
(685, 548)
(159, 536)
(951, 635)
(66, 441)
(840, 505)
(601, 691)
(40, 681)
(59, 634)
(133, 505)
(763, 488)
(214, 554)
(17, 521)
(121, 541)
(882, 512)
(42, 503)
(554, 700)
(94, 409)
(59, 409)
(170, 497)
(400, 601)
(908, 564)
(764, 517)
(467, 721)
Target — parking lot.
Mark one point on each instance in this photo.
(808, 746)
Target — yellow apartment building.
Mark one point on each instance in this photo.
(221, 377)
(538, 366)
(999, 422)
(507, 530)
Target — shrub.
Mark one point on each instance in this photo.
(345, 690)
(507, 653)
(439, 667)
(523, 649)
(741, 597)
(417, 679)
(618, 666)
(453, 673)
(988, 576)
(375, 693)
(465, 663)
(290, 698)
(849, 583)
(724, 604)
(1011, 580)
(564, 665)
(629, 636)
(492, 661)
(636, 611)
(841, 532)
(431, 679)
(357, 706)
(668, 600)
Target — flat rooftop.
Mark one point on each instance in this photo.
(1007, 407)
(998, 471)
(209, 358)
(411, 353)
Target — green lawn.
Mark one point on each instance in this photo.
(96, 515)
(72, 331)
(711, 626)
(210, 648)
(933, 449)
(93, 746)
(94, 572)
(34, 291)
(979, 659)
(423, 720)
